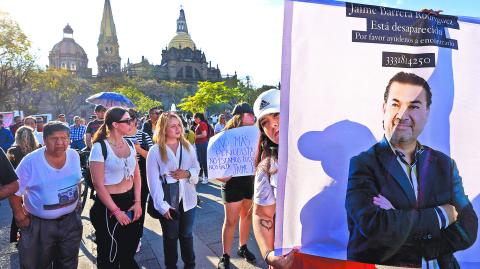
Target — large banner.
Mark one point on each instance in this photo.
(337, 61)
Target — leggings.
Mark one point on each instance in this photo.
(118, 252)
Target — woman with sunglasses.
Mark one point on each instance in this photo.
(172, 172)
(116, 179)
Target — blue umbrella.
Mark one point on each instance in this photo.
(109, 99)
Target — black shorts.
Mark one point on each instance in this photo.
(237, 189)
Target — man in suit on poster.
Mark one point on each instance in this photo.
(405, 201)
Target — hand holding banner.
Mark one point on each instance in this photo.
(232, 152)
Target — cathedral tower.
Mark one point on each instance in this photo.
(108, 59)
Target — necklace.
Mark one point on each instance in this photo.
(116, 144)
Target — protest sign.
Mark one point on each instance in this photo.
(232, 152)
(337, 61)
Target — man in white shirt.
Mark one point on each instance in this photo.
(32, 122)
(49, 179)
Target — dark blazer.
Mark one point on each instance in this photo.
(404, 235)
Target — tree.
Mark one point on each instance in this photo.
(16, 62)
(63, 90)
(208, 94)
(142, 102)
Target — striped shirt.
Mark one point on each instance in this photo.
(137, 139)
(77, 132)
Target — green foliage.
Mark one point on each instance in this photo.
(16, 62)
(63, 90)
(208, 94)
(142, 102)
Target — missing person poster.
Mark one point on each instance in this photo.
(379, 148)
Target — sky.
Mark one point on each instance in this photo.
(243, 36)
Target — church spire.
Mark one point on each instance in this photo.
(182, 22)
(108, 59)
(107, 28)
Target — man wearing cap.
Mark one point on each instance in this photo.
(149, 126)
(49, 178)
(93, 125)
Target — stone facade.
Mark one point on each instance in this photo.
(181, 60)
(67, 54)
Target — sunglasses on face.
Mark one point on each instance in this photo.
(125, 121)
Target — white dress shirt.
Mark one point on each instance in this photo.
(156, 167)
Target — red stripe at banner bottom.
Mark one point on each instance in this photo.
(305, 261)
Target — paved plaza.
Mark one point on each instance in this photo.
(207, 237)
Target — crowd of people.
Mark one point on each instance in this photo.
(134, 161)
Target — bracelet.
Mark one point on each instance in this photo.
(115, 212)
(266, 256)
(137, 201)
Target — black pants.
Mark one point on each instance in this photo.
(180, 229)
(126, 237)
(202, 158)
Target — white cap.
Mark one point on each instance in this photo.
(267, 103)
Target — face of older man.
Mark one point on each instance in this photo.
(57, 143)
(405, 113)
(30, 123)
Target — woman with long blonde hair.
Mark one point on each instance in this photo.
(172, 172)
(25, 142)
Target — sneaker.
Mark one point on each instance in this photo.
(205, 180)
(224, 262)
(246, 254)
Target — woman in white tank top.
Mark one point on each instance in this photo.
(116, 179)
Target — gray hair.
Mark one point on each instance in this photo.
(54, 126)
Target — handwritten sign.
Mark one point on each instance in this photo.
(232, 152)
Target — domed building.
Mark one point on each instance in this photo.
(67, 54)
(181, 60)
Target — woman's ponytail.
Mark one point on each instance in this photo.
(100, 134)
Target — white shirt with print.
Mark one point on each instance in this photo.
(48, 192)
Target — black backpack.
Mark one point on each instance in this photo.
(104, 147)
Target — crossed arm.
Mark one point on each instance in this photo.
(376, 218)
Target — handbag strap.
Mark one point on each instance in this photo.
(162, 178)
(180, 161)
